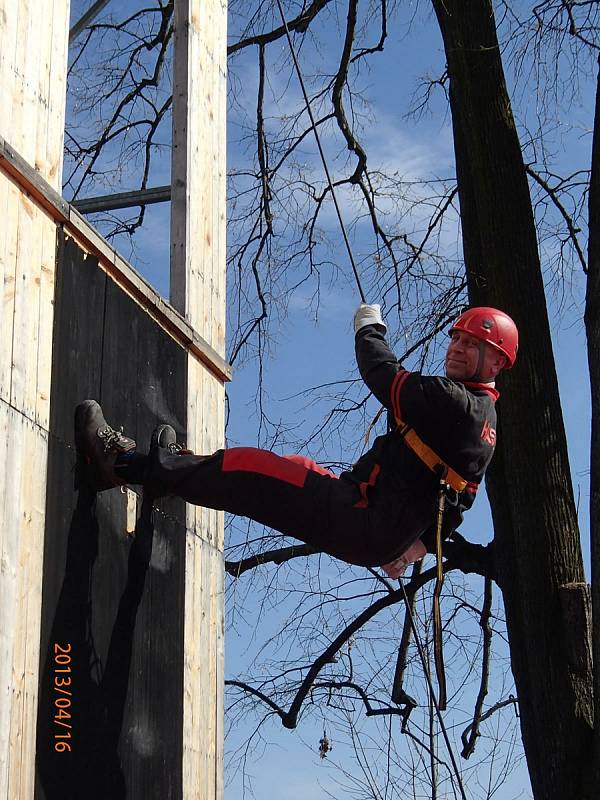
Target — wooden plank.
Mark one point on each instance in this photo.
(203, 688)
(219, 218)
(198, 166)
(26, 310)
(47, 276)
(9, 12)
(7, 254)
(7, 300)
(27, 614)
(196, 291)
(52, 168)
(8, 593)
(14, 16)
(180, 159)
(205, 434)
(32, 29)
(32, 82)
(40, 133)
(203, 677)
(22, 500)
(25, 332)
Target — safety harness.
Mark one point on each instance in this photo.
(448, 478)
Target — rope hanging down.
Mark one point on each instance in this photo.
(322, 154)
(439, 662)
(432, 692)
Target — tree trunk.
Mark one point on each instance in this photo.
(592, 327)
(529, 485)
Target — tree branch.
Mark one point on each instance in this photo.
(299, 23)
(573, 231)
(279, 556)
(471, 734)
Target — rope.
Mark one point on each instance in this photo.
(438, 650)
(363, 298)
(432, 692)
(322, 154)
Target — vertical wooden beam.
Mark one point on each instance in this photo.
(33, 62)
(198, 292)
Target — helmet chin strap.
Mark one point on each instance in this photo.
(477, 377)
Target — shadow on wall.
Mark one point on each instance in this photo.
(112, 608)
(81, 702)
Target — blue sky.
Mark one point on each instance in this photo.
(312, 347)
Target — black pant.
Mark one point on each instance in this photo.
(293, 495)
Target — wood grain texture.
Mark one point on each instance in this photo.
(198, 292)
(198, 167)
(33, 59)
(32, 81)
(23, 449)
(8, 267)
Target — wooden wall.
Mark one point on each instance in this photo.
(142, 620)
(33, 52)
(113, 601)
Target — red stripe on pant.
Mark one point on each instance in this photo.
(289, 469)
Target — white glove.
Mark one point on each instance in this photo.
(368, 315)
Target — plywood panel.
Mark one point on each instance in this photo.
(22, 499)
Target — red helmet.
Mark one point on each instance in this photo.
(492, 326)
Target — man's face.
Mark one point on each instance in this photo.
(462, 358)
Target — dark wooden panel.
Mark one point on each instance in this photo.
(117, 602)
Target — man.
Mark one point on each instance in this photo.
(373, 515)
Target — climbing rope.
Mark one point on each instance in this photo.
(441, 704)
(322, 154)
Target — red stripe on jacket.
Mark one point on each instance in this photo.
(397, 385)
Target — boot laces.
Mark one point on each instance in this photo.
(111, 438)
(174, 448)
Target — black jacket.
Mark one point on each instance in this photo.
(456, 420)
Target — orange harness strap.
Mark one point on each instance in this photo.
(430, 458)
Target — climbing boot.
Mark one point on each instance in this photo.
(98, 447)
